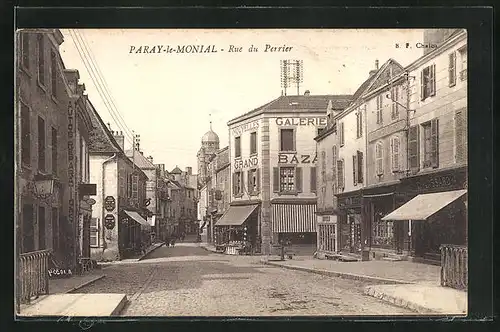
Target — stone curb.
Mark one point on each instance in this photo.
(214, 251)
(149, 252)
(343, 275)
(370, 291)
(86, 283)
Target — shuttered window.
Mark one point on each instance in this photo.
(313, 179)
(360, 166)
(395, 146)
(340, 174)
(135, 186)
(428, 82)
(452, 69)
(460, 136)
(379, 109)
(379, 158)
(287, 179)
(395, 105)
(431, 143)
(341, 133)
(359, 124)
(94, 232)
(334, 169)
(414, 148)
(355, 170)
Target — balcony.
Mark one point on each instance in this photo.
(463, 75)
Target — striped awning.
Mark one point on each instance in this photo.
(294, 218)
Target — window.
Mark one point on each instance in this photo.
(452, 69)
(395, 105)
(334, 169)
(431, 147)
(463, 63)
(341, 134)
(41, 60)
(25, 135)
(135, 186)
(253, 143)
(41, 144)
(53, 75)
(379, 159)
(327, 237)
(383, 234)
(54, 151)
(313, 177)
(414, 148)
(395, 154)
(319, 131)
(25, 44)
(461, 136)
(253, 181)
(237, 147)
(340, 174)
(55, 229)
(359, 155)
(428, 82)
(237, 183)
(41, 228)
(379, 109)
(359, 124)
(355, 170)
(287, 142)
(287, 177)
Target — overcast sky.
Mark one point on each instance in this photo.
(166, 98)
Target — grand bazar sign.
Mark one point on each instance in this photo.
(316, 121)
(295, 158)
(246, 163)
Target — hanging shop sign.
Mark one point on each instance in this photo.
(246, 163)
(294, 158)
(109, 221)
(109, 203)
(317, 121)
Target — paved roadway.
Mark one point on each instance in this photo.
(189, 281)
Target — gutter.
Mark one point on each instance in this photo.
(104, 246)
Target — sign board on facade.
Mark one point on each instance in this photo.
(252, 126)
(246, 163)
(294, 158)
(316, 121)
(109, 221)
(88, 189)
(109, 203)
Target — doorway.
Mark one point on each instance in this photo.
(354, 222)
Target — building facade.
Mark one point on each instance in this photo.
(50, 160)
(273, 169)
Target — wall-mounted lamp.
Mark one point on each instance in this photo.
(41, 187)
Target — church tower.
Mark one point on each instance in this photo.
(209, 145)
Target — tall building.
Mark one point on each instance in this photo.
(209, 146)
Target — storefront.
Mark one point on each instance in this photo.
(238, 229)
(327, 233)
(351, 237)
(435, 212)
(134, 233)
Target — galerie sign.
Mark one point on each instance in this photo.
(294, 158)
(252, 126)
(246, 163)
(317, 121)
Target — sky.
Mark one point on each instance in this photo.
(166, 98)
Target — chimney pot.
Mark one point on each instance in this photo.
(376, 64)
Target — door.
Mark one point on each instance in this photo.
(355, 232)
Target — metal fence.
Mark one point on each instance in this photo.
(33, 277)
(454, 266)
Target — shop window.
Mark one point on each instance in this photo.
(253, 143)
(237, 146)
(428, 82)
(452, 69)
(25, 135)
(327, 237)
(41, 59)
(379, 158)
(395, 154)
(287, 140)
(41, 144)
(382, 234)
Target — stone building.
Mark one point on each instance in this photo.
(209, 146)
(51, 166)
(273, 170)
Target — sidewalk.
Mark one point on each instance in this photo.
(67, 285)
(411, 285)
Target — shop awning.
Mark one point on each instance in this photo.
(236, 215)
(294, 218)
(423, 206)
(137, 217)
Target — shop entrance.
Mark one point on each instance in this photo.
(354, 222)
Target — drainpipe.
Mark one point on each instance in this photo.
(104, 245)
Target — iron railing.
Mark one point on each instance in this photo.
(33, 275)
(454, 266)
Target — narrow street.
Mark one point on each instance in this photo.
(187, 280)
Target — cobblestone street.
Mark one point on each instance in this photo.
(188, 281)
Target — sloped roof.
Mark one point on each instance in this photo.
(139, 159)
(176, 170)
(100, 138)
(379, 78)
(299, 103)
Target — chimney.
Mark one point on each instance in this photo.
(72, 75)
(189, 170)
(374, 70)
(150, 158)
(119, 138)
(307, 93)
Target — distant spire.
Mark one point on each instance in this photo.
(210, 116)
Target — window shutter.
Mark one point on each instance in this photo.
(452, 69)
(360, 166)
(340, 174)
(249, 182)
(298, 179)
(354, 170)
(342, 133)
(460, 136)
(422, 85)
(435, 142)
(234, 184)
(313, 179)
(257, 178)
(334, 168)
(414, 147)
(432, 74)
(242, 187)
(396, 107)
(276, 180)
(360, 124)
